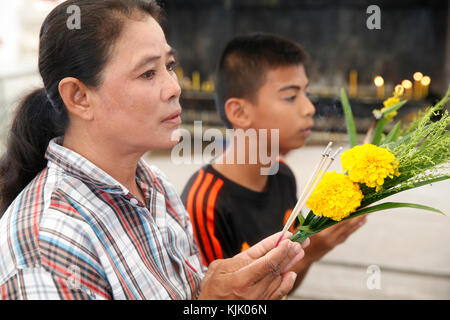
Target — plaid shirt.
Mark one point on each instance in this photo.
(76, 233)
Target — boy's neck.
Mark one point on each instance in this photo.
(247, 175)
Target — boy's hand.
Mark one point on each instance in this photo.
(329, 238)
(260, 272)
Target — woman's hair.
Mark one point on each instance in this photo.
(80, 51)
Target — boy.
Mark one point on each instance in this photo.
(261, 84)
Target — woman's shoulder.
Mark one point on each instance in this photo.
(40, 216)
(49, 200)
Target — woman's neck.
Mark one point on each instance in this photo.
(121, 166)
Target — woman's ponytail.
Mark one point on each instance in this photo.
(35, 123)
(63, 52)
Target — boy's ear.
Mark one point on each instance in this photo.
(238, 113)
(74, 94)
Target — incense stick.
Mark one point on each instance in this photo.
(305, 199)
(328, 166)
(325, 155)
(311, 181)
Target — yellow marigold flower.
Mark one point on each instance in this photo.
(335, 196)
(392, 101)
(369, 164)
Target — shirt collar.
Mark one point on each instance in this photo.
(76, 165)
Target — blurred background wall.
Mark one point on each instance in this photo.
(410, 248)
(413, 36)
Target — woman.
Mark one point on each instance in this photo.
(85, 217)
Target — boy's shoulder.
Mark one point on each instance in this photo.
(195, 182)
(208, 175)
(284, 168)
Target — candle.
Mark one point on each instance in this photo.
(208, 86)
(399, 90)
(353, 83)
(425, 82)
(408, 88)
(196, 81)
(379, 83)
(186, 84)
(417, 86)
(180, 74)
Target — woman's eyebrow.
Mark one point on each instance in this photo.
(145, 60)
(149, 58)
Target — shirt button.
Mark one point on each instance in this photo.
(134, 201)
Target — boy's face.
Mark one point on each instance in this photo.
(282, 104)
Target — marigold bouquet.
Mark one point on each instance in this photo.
(401, 160)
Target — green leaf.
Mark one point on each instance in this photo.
(350, 121)
(300, 218)
(403, 140)
(391, 205)
(393, 134)
(306, 229)
(395, 107)
(377, 136)
(379, 131)
(309, 217)
(379, 207)
(389, 193)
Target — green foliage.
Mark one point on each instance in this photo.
(423, 153)
(349, 120)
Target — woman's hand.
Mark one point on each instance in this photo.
(260, 272)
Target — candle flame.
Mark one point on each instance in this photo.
(379, 81)
(425, 81)
(418, 76)
(399, 90)
(407, 84)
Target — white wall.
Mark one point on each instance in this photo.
(10, 30)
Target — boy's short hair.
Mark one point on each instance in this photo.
(245, 62)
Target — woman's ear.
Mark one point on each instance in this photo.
(74, 94)
(238, 113)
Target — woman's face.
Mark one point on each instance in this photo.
(136, 107)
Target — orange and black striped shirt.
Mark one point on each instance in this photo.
(228, 218)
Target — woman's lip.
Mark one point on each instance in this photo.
(174, 118)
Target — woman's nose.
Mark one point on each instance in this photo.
(171, 88)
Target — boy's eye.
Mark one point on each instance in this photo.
(290, 99)
(148, 75)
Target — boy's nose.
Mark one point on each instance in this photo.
(307, 108)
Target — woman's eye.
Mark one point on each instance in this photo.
(171, 66)
(148, 75)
